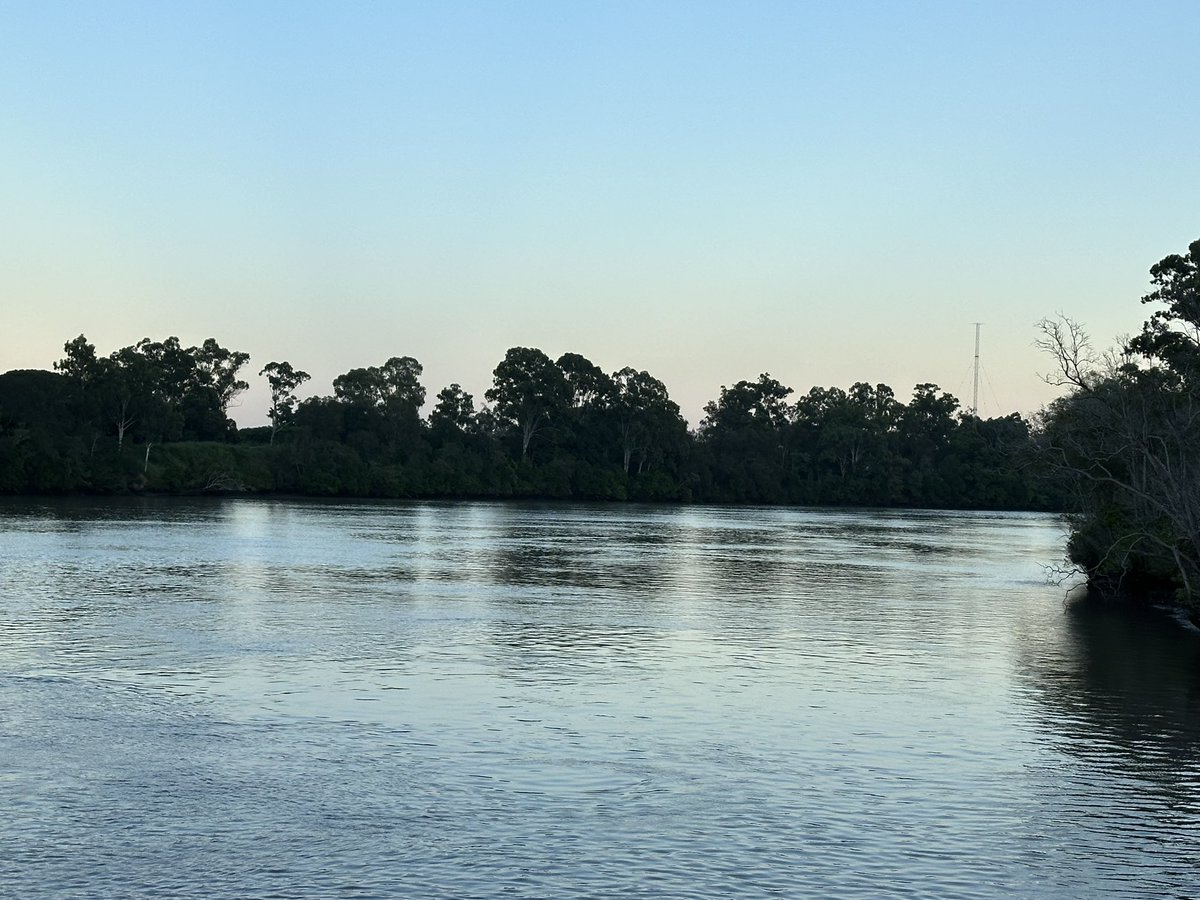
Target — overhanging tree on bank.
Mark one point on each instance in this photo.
(1126, 441)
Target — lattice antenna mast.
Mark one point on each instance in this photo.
(975, 394)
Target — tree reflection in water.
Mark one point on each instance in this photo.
(1121, 681)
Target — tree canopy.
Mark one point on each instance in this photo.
(549, 428)
(1125, 441)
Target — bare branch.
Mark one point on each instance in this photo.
(1064, 340)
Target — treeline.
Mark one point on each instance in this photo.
(1124, 443)
(154, 417)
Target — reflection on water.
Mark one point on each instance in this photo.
(245, 698)
(1121, 681)
(1116, 691)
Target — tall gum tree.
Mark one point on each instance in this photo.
(646, 416)
(454, 412)
(283, 381)
(528, 391)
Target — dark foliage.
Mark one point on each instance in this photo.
(1125, 443)
(152, 417)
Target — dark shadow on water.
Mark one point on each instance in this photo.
(76, 513)
(1114, 678)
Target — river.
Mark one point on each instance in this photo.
(260, 698)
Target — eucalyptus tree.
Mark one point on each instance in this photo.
(756, 408)
(758, 404)
(37, 442)
(129, 396)
(403, 392)
(584, 429)
(216, 369)
(648, 420)
(121, 391)
(746, 432)
(924, 429)
(283, 381)
(81, 367)
(170, 371)
(861, 434)
(382, 403)
(844, 435)
(454, 412)
(195, 385)
(590, 387)
(528, 391)
(395, 386)
(1170, 338)
(927, 421)
(79, 362)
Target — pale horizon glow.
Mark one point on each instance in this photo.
(707, 191)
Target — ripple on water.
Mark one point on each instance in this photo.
(291, 699)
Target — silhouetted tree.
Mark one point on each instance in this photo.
(1126, 440)
(283, 381)
(528, 391)
(454, 413)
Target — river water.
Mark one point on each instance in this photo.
(290, 699)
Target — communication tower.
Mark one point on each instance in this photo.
(975, 393)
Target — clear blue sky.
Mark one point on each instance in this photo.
(829, 192)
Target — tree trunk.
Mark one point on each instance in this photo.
(528, 429)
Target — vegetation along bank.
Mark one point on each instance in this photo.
(1119, 451)
(153, 417)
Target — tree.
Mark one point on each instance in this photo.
(758, 404)
(80, 363)
(127, 382)
(283, 381)
(646, 416)
(195, 384)
(35, 432)
(382, 407)
(1126, 440)
(216, 369)
(394, 386)
(856, 427)
(1075, 361)
(1171, 337)
(454, 412)
(1127, 449)
(81, 367)
(171, 368)
(402, 388)
(746, 432)
(928, 420)
(360, 387)
(528, 390)
(589, 385)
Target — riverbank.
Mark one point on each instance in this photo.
(332, 469)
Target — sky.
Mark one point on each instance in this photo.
(828, 192)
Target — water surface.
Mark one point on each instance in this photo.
(257, 698)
